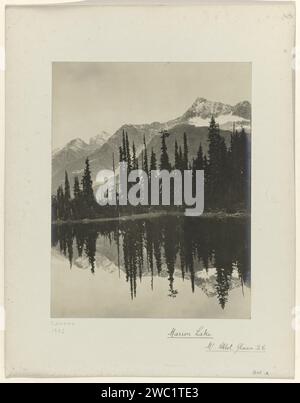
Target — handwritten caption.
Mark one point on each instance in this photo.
(202, 333)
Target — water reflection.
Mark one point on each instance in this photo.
(212, 255)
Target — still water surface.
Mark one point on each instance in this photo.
(166, 267)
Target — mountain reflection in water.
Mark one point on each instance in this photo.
(211, 256)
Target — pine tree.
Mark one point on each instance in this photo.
(215, 154)
(145, 162)
(121, 159)
(177, 160)
(87, 183)
(76, 202)
(238, 164)
(222, 286)
(223, 156)
(124, 154)
(164, 158)
(199, 158)
(135, 163)
(54, 208)
(244, 169)
(60, 203)
(90, 248)
(87, 190)
(67, 198)
(213, 138)
(76, 189)
(67, 188)
(153, 167)
(153, 161)
(205, 163)
(127, 151)
(185, 152)
(180, 162)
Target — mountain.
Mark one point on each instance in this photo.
(72, 151)
(194, 122)
(99, 139)
(72, 156)
(199, 114)
(100, 157)
(204, 109)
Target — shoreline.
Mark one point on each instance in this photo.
(220, 215)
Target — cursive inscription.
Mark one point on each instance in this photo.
(200, 333)
(235, 348)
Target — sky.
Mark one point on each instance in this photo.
(89, 98)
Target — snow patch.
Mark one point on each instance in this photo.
(221, 120)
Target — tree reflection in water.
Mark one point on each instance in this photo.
(170, 247)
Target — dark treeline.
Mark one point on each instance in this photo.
(226, 171)
(177, 249)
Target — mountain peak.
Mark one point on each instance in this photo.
(200, 100)
(75, 145)
(242, 109)
(77, 142)
(99, 139)
(201, 111)
(204, 109)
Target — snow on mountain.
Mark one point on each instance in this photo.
(207, 281)
(205, 109)
(201, 111)
(223, 120)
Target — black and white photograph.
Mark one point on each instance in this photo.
(180, 249)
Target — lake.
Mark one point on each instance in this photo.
(164, 267)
